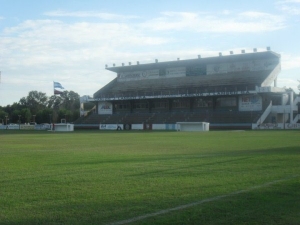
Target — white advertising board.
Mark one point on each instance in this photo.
(292, 126)
(250, 103)
(105, 108)
(138, 75)
(111, 126)
(10, 127)
(253, 65)
(151, 74)
(176, 72)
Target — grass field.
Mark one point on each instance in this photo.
(93, 177)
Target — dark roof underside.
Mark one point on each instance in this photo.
(229, 81)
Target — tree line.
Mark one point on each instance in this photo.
(39, 108)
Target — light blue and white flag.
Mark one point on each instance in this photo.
(57, 85)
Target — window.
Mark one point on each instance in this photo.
(161, 105)
(122, 105)
(181, 103)
(226, 101)
(203, 102)
(140, 105)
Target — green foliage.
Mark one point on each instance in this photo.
(35, 101)
(16, 114)
(96, 177)
(26, 115)
(44, 116)
(37, 106)
(2, 115)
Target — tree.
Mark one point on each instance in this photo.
(35, 101)
(15, 116)
(70, 100)
(3, 114)
(44, 116)
(54, 102)
(65, 106)
(26, 115)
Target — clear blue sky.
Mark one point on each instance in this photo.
(71, 41)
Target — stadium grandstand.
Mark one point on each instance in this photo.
(234, 91)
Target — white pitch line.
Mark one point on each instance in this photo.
(165, 211)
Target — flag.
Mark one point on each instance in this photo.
(56, 92)
(57, 85)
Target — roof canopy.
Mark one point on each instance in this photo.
(252, 70)
(191, 62)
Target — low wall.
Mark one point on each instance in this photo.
(9, 127)
(276, 126)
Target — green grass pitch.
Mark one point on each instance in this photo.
(136, 177)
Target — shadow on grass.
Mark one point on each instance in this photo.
(277, 203)
(272, 205)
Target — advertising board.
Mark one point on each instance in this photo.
(111, 126)
(105, 108)
(250, 103)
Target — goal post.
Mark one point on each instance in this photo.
(192, 126)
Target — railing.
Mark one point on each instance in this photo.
(297, 117)
(296, 101)
(265, 114)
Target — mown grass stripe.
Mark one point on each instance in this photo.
(181, 207)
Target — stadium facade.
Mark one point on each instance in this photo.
(236, 91)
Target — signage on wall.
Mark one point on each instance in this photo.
(105, 108)
(152, 74)
(250, 103)
(252, 65)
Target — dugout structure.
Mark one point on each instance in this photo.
(234, 91)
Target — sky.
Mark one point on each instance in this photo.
(71, 41)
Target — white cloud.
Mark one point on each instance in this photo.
(100, 15)
(246, 22)
(36, 52)
(291, 7)
(289, 61)
(47, 42)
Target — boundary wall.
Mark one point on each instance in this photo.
(26, 127)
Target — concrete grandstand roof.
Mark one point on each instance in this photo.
(197, 61)
(200, 83)
(230, 81)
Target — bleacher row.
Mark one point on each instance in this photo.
(171, 118)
